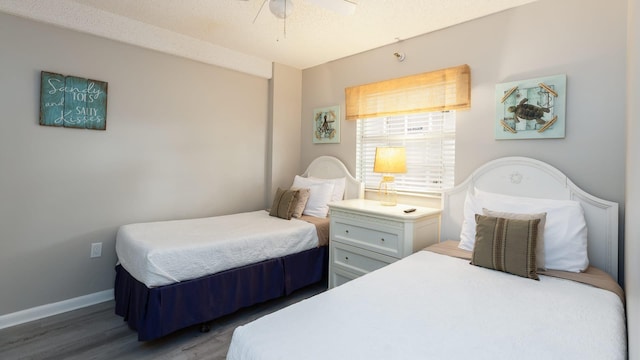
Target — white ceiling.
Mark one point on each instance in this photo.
(222, 32)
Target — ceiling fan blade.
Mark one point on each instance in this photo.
(259, 11)
(343, 7)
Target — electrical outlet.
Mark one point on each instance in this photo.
(96, 250)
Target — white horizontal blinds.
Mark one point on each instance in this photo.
(429, 139)
(446, 89)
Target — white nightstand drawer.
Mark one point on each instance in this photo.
(340, 276)
(372, 237)
(352, 259)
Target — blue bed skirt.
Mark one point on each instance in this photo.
(155, 312)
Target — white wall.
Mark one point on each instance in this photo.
(183, 139)
(632, 230)
(586, 40)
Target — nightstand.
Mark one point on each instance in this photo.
(365, 236)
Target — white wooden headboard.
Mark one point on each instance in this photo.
(329, 167)
(521, 176)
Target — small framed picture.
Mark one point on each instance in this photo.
(326, 125)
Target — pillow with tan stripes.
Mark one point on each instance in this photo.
(539, 241)
(507, 245)
(283, 206)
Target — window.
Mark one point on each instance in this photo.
(416, 112)
(429, 139)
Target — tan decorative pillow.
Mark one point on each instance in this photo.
(300, 201)
(282, 203)
(540, 263)
(507, 245)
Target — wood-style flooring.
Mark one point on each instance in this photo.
(95, 332)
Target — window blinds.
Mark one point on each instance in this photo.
(429, 139)
(446, 89)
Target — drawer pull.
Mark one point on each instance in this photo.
(382, 239)
(346, 258)
(346, 231)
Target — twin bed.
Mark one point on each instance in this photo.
(436, 304)
(175, 274)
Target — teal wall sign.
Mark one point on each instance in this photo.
(71, 101)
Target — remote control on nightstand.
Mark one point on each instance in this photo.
(409, 210)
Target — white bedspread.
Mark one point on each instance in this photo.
(431, 306)
(161, 253)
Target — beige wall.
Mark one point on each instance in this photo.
(632, 230)
(586, 40)
(183, 140)
(285, 124)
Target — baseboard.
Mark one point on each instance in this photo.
(39, 312)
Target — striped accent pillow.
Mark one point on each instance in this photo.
(283, 204)
(507, 245)
(539, 239)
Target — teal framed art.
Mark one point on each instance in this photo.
(73, 102)
(531, 109)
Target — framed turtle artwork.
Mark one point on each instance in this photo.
(531, 109)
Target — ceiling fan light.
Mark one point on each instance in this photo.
(281, 8)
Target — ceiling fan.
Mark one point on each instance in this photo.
(283, 8)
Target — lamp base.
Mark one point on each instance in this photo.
(387, 191)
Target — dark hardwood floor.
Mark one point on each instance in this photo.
(95, 332)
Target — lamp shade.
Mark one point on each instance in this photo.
(390, 160)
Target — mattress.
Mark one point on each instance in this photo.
(166, 252)
(433, 306)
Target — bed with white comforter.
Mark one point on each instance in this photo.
(175, 274)
(167, 252)
(546, 291)
(433, 306)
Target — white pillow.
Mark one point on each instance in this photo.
(339, 185)
(565, 232)
(468, 229)
(320, 194)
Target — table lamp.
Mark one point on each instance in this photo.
(389, 160)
